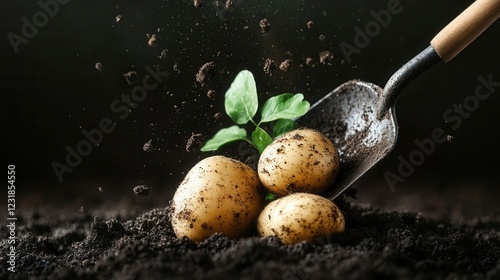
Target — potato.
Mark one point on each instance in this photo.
(218, 194)
(300, 217)
(301, 160)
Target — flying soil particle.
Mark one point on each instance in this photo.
(148, 147)
(118, 18)
(163, 54)
(141, 190)
(269, 66)
(194, 142)
(265, 26)
(153, 40)
(198, 3)
(218, 116)
(206, 73)
(286, 64)
(211, 94)
(130, 76)
(310, 62)
(310, 24)
(449, 138)
(98, 66)
(326, 57)
(229, 4)
(322, 38)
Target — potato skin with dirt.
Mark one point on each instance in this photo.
(300, 217)
(218, 194)
(301, 160)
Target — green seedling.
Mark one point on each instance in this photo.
(241, 105)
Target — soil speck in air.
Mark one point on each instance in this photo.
(130, 76)
(218, 116)
(148, 147)
(310, 24)
(449, 138)
(118, 18)
(194, 142)
(152, 40)
(322, 38)
(98, 66)
(206, 73)
(198, 3)
(269, 66)
(265, 26)
(326, 57)
(229, 4)
(310, 62)
(141, 190)
(211, 93)
(286, 65)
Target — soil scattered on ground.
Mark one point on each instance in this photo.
(375, 245)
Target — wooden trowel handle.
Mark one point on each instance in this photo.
(465, 28)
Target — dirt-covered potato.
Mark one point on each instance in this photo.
(301, 160)
(218, 194)
(300, 217)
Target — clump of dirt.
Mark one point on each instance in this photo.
(310, 62)
(380, 244)
(211, 94)
(148, 146)
(152, 40)
(326, 57)
(286, 65)
(195, 142)
(141, 190)
(269, 66)
(206, 73)
(130, 76)
(229, 4)
(265, 26)
(198, 3)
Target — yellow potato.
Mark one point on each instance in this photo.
(300, 217)
(218, 194)
(301, 160)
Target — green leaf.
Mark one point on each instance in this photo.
(261, 139)
(270, 197)
(282, 126)
(284, 106)
(241, 100)
(224, 136)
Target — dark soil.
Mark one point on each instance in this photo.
(376, 245)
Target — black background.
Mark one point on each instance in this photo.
(51, 91)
